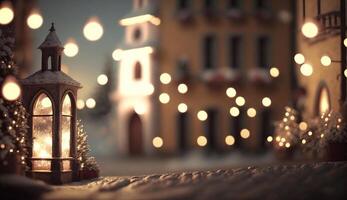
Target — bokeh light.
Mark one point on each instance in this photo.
(202, 115)
(269, 138)
(102, 79)
(230, 92)
(70, 48)
(240, 101)
(164, 98)
(299, 58)
(182, 107)
(10, 89)
(93, 30)
(6, 14)
(274, 72)
(90, 103)
(251, 112)
(35, 20)
(201, 141)
(306, 69)
(80, 104)
(234, 111)
(157, 142)
(117, 54)
(266, 101)
(165, 78)
(182, 88)
(309, 30)
(245, 133)
(325, 60)
(229, 140)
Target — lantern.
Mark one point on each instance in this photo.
(49, 96)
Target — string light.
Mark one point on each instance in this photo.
(10, 89)
(325, 60)
(202, 115)
(234, 111)
(274, 72)
(165, 78)
(306, 69)
(157, 142)
(299, 58)
(93, 30)
(309, 30)
(229, 140)
(251, 112)
(90, 103)
(266, 101)
(245, 133)
(240, 101)
(201, 141)
(35, 20)
(182, 107)
(6, 14)
(269, 138)
(70, 48)
(230, 92)
(102, 79)
(182, 88)
(164, 98)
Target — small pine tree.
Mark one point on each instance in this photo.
(83, 150)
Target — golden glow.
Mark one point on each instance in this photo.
(182, 88)
(102, 79)
(240, 101)
(266, 101)
(269, 138)
(93, 30)
(6, 14)
(274, 72)
(306, 69)
(164, 98)
(245, 133)
(324, 101)
(10, 89)
(117, 54)
(230, 92)
(46, 102)
(299, 58)
(157, 142)
(287, 145)
(251, 112)
(140, 108)
(229, 140)
(201, 141)
(165, 78)
(278, 138)
(303, 126)
(202, 115)
(182, 107)
(325, 60)
(70, 48)
(80, 104)
(309, 30)
(90, 103)
(303, 141)
(309, 133)
(140, 19)
(35, 20)
(234, 111)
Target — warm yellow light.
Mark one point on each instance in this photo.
(231, 92)
(269, 138)
(287, 145)
(140, 109)
(251, 112)
(299, 58)
(303, 141)
(93, 30)
(71, 48)
(278, 138)
(283, 139)
(240, 101)
(182, 88)
(303, 126)
(345, 42)
(164, 98)
(140, 19)
(245, 133)
(102, 79)
(325, 60)
(309, 30)
(90, 103)
(165, 78)
(46, 102)
(10, 89)
(201, 141)
(274, 72)
(266, 101)
(35, 20)
(182, 107)
(6, 15)
(280, 144)
(157, 142)
(202, 115)
(234, 111)
(229, 140)
(306, 69)
(324, 102)
(309, 133)
(117, 54)
(80, 104)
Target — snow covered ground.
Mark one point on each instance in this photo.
(298, 181)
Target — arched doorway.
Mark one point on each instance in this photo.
(135, 135)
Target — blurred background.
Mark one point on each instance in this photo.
(181, 84)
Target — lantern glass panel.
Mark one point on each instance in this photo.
(66, 131)
(42, 132)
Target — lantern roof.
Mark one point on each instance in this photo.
(50, 77)
(51, 40)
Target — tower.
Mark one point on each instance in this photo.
(137, 65)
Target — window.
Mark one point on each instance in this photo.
(137, 34)
(211, 129)
(182, 131)
(234, 52)
(208, 52)
(263, 51)
(137, 71)
(42, 132)
(183, 4)
(66, 131)
(236, 126)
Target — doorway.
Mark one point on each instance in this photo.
(135, 135)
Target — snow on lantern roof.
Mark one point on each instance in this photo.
(50, 77)
(51, 40)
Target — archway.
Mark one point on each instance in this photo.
(135, 135)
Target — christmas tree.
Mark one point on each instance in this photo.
(13, 117)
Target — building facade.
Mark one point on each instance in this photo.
(212, 75)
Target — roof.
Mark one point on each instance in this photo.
(50, 77)
(51, 40)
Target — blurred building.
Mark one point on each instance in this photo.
(322, 49)
(203, 74)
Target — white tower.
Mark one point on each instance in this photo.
(136, 75)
